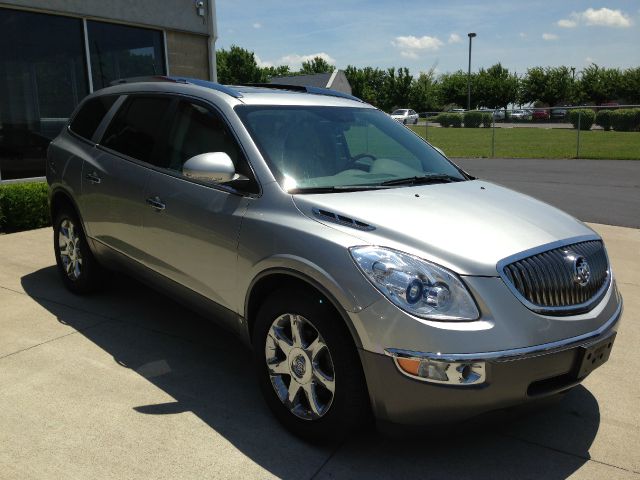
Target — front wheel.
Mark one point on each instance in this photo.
(308, 367)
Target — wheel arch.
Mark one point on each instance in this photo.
(58, 199)
(274, 279)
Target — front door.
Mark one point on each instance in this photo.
(193, 229)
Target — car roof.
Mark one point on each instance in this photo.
(259, 94)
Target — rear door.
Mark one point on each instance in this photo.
(114, 180)
(192, 230)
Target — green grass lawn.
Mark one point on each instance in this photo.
(533, 143)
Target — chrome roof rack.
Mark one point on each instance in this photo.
(193, 81)
(230, 90)
(304, 89)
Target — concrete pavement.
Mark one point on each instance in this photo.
(129, 384)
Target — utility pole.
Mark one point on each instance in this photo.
(470, 35)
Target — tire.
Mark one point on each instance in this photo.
(404, 122)
(77, 266)
(337, 414)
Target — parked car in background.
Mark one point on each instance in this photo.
(540, 114)
(405, 115)
(520, 115)
(369, 275)
(558, 113)
(497, 114)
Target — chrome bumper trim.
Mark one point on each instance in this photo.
(516, 353)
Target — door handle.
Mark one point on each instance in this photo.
(93, 178)
(156, 203)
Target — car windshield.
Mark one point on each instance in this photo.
(399, 112)
(337, 147)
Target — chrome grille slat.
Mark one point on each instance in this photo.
(546, 283)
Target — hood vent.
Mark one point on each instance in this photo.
(341, 220)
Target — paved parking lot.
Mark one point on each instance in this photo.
(599, 191)
(129, 384)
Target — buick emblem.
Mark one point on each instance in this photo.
(299, 366)
(581, 271)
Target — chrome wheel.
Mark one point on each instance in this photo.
(300, 366)
(69, 248)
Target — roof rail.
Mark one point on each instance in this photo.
(306, 89)
(193, 81)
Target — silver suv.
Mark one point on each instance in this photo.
(368, 273)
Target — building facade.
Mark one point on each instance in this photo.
(54, 52)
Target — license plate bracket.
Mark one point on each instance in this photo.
(594, 355)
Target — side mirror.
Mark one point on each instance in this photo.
(213, 167)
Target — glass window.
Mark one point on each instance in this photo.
(120, 51)
(136, 126)
(195, 130)
(42, 80)
(331, 146)
(91, 114)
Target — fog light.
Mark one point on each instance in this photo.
(442, 371)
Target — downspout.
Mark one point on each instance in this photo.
(213, 36)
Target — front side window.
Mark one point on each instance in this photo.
(312, 147)
(196, 129)
(135, 128)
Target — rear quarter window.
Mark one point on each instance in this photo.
(91, 114)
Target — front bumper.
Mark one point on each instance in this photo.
(513, 377)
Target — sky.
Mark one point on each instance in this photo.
(422, 34)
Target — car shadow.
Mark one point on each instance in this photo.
(208, 371)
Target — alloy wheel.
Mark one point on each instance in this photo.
(300, 366)
(69, 248)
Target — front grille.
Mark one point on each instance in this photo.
(548, 281)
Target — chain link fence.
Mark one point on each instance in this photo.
(607, 131)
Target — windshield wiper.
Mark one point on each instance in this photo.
(336, 188)
(423, 179)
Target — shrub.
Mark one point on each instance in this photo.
(472, 119)
(443, 119)
(586, 117)
(487, 120)
(455, 119)
(626, 120)
(23, 206)
(603, 119)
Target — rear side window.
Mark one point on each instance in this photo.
(134, 130)
(91, 114)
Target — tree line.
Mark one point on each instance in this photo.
(493, 87)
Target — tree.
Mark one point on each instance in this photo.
(316, 65)
(600, 84)
(550, 85)
(237, 66)
(279, 71)
(366, 83)
(496, 87)
(630, 91)
(396, 88)
(453, 88)
(424, 95)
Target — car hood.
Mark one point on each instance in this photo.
(465, 226)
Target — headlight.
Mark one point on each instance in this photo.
(416, 286)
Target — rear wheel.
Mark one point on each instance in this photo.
(78, 268)
(309, 370)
